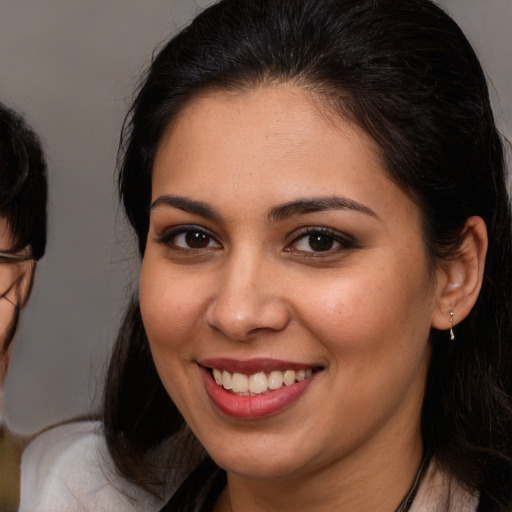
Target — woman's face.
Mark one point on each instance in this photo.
(279, 250)
(12, 278)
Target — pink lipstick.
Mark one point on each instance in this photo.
(255, 388)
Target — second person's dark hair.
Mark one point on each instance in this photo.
(23, 183)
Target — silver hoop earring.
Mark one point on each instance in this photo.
(452, 335)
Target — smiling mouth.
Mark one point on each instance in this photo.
(260, 383)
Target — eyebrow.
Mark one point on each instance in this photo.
(187, 205)
(275, 214)
(317, 204)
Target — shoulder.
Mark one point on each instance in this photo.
(67, 468)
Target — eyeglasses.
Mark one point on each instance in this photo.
(11, 259)
(7, 257)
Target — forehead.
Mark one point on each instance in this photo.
(286, 101)
(280, 127)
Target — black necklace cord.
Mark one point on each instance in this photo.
(199, 491)
(408, 500)
(208, 480)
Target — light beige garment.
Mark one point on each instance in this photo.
(440, 492)
(64, 470)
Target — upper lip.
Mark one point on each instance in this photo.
(251, 366)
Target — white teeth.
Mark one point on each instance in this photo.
(240, 383)
(259, 382)
(275, 380)
(289, 377)
(226, 380)
(217, 375)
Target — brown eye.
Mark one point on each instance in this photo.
(190, 238)
(320, 242)
(197, 239)
(316, 242)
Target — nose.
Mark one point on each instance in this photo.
(248, 300)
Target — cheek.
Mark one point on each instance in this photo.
(7, 317)
(369, 312)
(376, 330)
(171, 308)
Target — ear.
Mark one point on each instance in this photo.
(460, 278)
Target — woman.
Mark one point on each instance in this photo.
(23, 193)
(318, 193)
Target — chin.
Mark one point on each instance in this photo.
(261, 459)
(258, 469)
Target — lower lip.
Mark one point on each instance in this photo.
(253, 407)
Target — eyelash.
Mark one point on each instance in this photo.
(169, 237)
(330, 236)
(345, 242)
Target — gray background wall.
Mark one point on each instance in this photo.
(71, 66)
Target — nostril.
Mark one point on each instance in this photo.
(246, 318)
